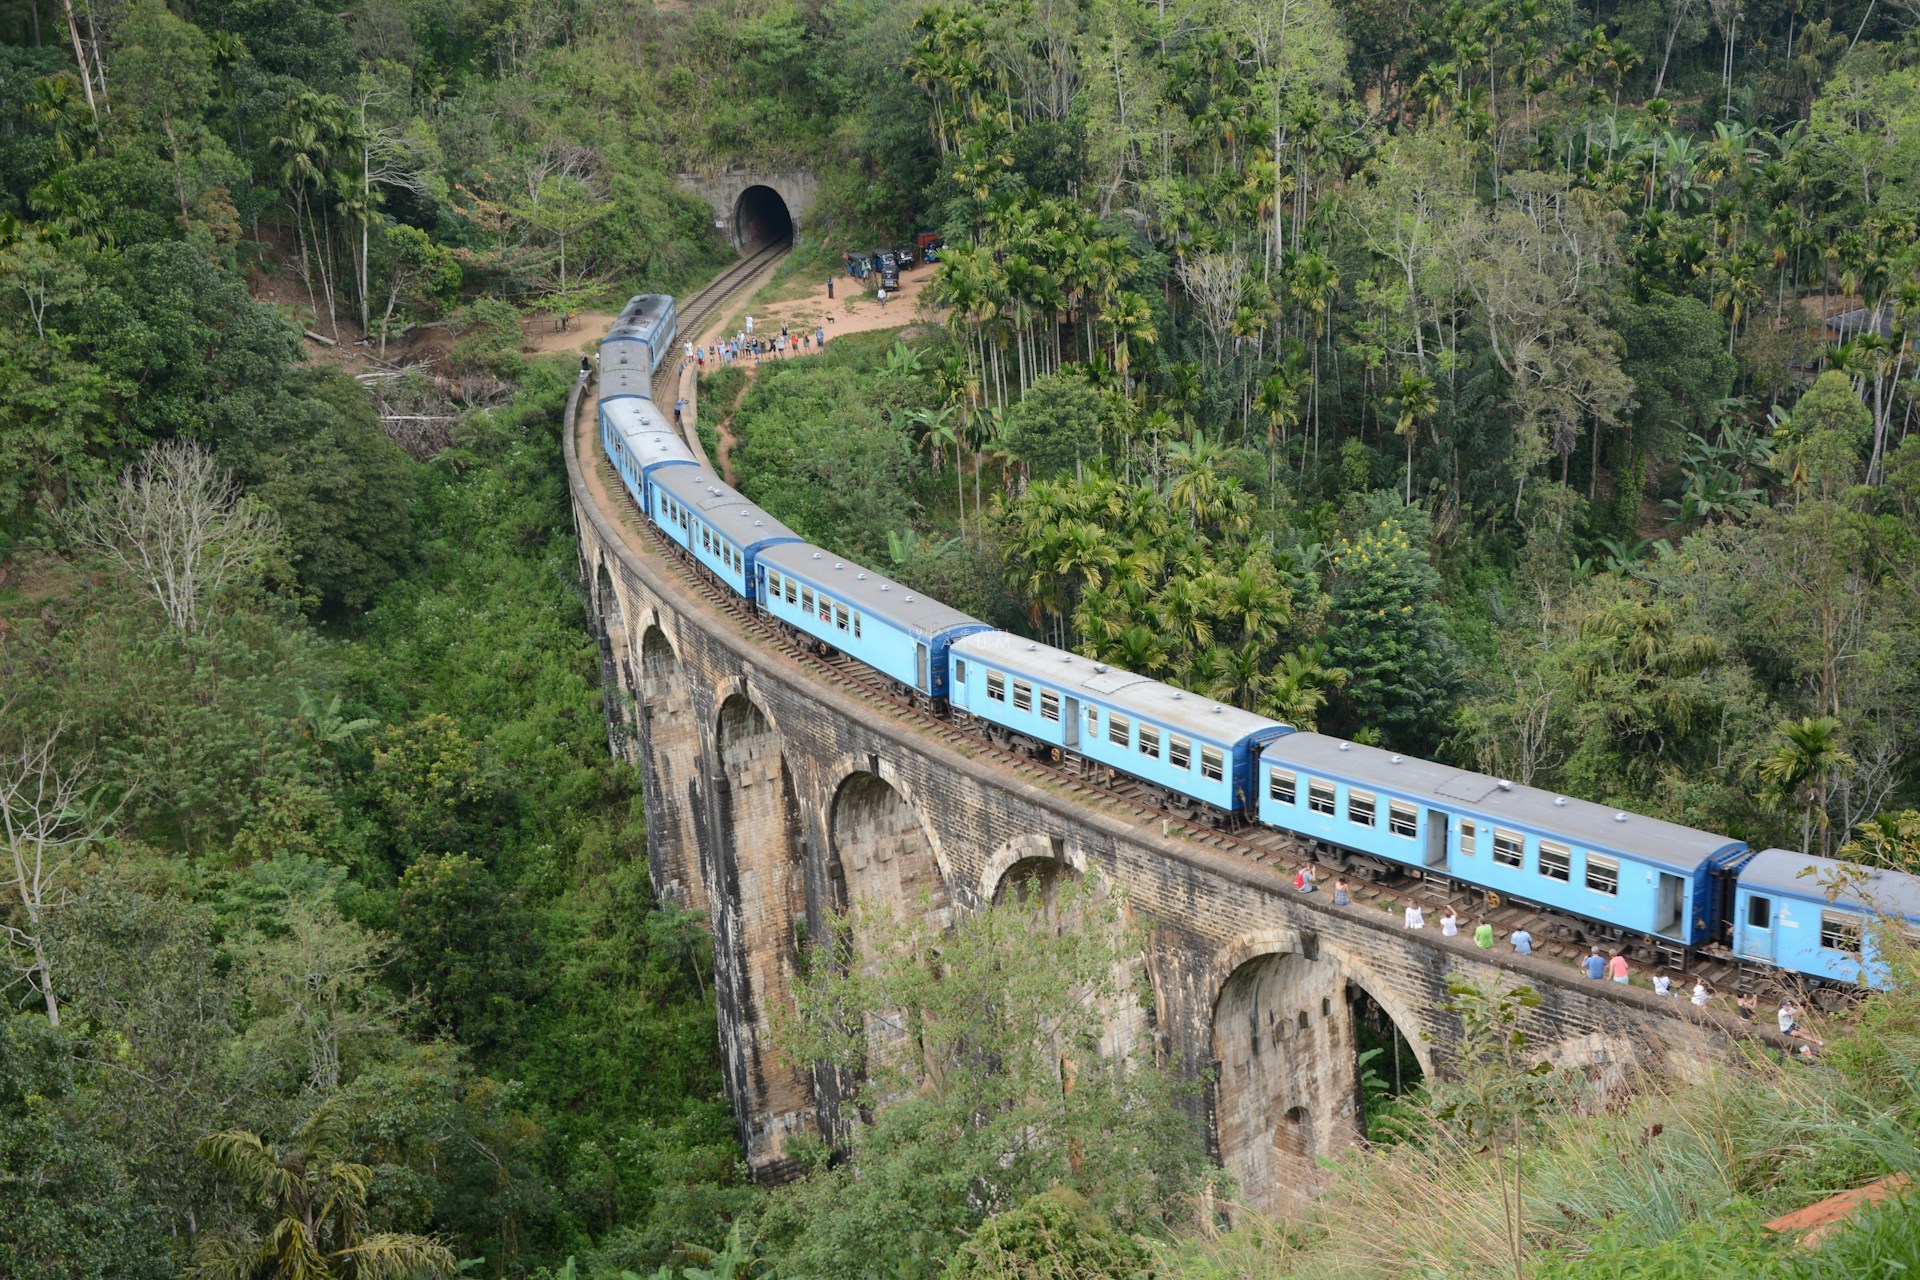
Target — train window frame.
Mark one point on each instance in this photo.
(1050, 705)
(1765, 904)
(1119, 730)
(1598, 867)
(996, 686)
(1403, 819)
(1213, 763)
(1321, 797)
(1180, 752)
(1368, 811)
(1279, 780)
(1556, 861)
(1509, 848)
(1840, 931)
(841, 620)
(1149, 740)
(1022, 695)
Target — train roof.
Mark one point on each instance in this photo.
(873, 594)
(646, 433)
(721, 506)
(1581, 822)
(1134, 694)
(640, 319)
(1864, 888)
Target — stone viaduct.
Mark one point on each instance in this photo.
(774, 797)
(754, 208)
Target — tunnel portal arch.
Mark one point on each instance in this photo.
(761, 216)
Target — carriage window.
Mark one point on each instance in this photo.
(1213, 765)
(1320, 796)
(1180, 752)
(996, 686)
(1508, 848)
(1603, 875)
(1556, 861)
(1839, 931)
(806, 599)
(1759, 912)
(1469, 837)
(1402, 819)
(791, 597)
(1119, 729)
(1280, 786)
(1360, 808)
(1049, 705)
(1022, 696)
(1150, 740)
(840, 616)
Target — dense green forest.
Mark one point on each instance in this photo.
(1522, 383)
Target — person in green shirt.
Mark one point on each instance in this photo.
(1483, 935)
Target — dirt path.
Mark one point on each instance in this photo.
(850, 310)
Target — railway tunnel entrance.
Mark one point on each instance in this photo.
(760, 217)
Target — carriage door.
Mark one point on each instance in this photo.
(920, 667)
(1666, 919)
(1070, 722)
(1756, 928)
(1436, 839)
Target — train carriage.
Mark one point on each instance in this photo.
(639, 439)
(898, 632)
(713, 523)
(1200, 753)
(1810, 915)
(1630, 874)
(638, 341)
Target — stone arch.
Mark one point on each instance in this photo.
(883, 848)
(671, 758)
(1284, 1091)
(761, 216)
(760, 866)
(616, 664)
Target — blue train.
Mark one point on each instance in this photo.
(1612, 877)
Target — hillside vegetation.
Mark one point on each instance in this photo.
(1519, 383)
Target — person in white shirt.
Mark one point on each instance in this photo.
(1416, 918)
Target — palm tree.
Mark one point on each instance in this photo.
(1801, 763)
(1413, 402)
(311, 1204)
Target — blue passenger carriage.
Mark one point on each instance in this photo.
(640, 339)
(639, 439)
(898, 632)
(1200, 754)
(1816, 923)
(713, 523)
(1630, 875)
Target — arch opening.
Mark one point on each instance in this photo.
(760, 217)
(1386, 1065)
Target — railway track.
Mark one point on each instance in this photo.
(1133, 801)
(697, 310)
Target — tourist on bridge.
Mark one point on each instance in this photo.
(1483, 936)
(1416, 918)
(1617, 968)
(1450, 924)
(1595, 966)
(1522, 941)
